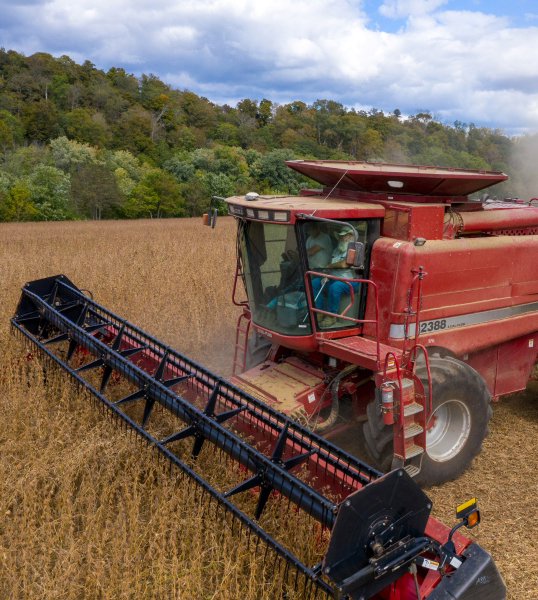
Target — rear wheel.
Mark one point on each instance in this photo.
(456, 429)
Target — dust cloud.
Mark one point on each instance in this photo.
(523, 182)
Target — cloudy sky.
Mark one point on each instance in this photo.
(470, 60)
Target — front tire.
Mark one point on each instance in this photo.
(456, 429)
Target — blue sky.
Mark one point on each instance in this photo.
(520, 13)
(473, 61)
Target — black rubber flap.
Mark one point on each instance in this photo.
(393, 500)
(477, 579)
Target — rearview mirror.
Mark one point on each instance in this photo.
(355, 255)
(210, 218)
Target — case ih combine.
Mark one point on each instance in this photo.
(442, 320)
(386, 299)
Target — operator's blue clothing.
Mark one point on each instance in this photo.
(334, 290)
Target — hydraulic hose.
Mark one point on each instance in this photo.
(335, 406)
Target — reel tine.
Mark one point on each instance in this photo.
(92, 365)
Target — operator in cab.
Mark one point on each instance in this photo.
(334, 288)
(318, 246)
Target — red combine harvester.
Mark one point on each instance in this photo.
(430, 313)
(345, 326)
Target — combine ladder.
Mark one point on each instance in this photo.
(241, 344)
(409, 413)
(413, 409)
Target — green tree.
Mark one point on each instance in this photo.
(219, 185)
(141, 203)
(181, 169)
(6, 137)
(265, 112)
(39, 120)
(70, 155)
(134, 131)
(167, 191)
(125, 83)
(196, 195)
(94, 192)
(124, 182)
(271, 168)
(248, 107)
(49, 192)
(15, 126)
(227, 134)
(16, 204)
(81, 127)
(198, 112)
(185, 139)
(371, 145)
(122, 159)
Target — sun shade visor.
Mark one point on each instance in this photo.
(396, 179)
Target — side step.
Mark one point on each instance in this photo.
(413, 451)
(411, 470)
(412, 429)
(412, 409)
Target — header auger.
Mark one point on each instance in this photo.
(383, 543)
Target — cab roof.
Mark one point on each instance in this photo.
(329, 208)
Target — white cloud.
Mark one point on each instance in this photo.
(465, 65)
(405, 8)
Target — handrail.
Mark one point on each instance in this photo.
(348, 281)
(430, 385)
(243, 303)
(418, 275)
(237, 345)
(399, 376)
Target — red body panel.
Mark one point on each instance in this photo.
(411, 221)
(514, 364)
(484, 282)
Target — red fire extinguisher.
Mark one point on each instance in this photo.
(387, 402)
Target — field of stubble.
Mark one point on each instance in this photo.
(86, 513)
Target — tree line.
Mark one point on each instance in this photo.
(76, 142)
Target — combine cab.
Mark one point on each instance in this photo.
(381, 541)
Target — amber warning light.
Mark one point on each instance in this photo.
(468, 512)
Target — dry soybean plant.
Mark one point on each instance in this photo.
(86, 512)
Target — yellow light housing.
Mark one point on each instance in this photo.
(468, 512)
(263, 214)
(250, 213)
(280, 216)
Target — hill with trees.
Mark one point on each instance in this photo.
(76, 142)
